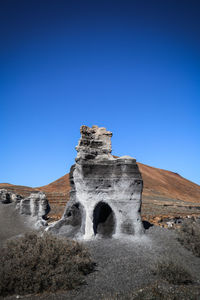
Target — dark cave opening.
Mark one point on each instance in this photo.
(103, 220)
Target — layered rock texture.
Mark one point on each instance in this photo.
(35, 205)
(105, 196)
(9, 197)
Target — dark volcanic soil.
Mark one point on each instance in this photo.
(125, 265)
(11, 222)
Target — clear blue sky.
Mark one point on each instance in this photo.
(130, 66)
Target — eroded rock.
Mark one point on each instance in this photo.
(105, 197)
(36, 205)
(9, 197)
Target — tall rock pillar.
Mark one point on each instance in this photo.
(106, 192)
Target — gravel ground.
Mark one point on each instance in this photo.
(11, 222)
(126, 265)
(123, 265)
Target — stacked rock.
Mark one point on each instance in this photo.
(106, 192)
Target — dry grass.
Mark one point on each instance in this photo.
(173, 273)
(33, 264)
(189, 236)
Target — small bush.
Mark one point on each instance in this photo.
(173, 273)
(189, 236)
(33, 264)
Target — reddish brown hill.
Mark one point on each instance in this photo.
(60, 185)
(165, 193)
(158, 182)
(18, 189)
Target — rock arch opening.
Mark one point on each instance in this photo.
(109, 189)
(103, 220)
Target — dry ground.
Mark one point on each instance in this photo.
(124, 266)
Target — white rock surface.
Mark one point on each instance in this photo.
(9, 197)
(35, 206)
(105, 198)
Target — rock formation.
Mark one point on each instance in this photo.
(36, 205)
(9, 197)
(105, 197)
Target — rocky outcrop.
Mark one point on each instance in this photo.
(9, 197)
(105, 197)
(36, 205)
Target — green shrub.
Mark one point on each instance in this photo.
(33, 264)
(173, 273)
(189, 236)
